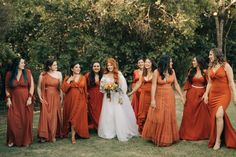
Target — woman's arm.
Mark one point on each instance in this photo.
(7, 90)
(230, 75)
(39, 88)
(177, 87)
(205, 95)
(153, 89)
(137, 86)
(60, 84)
(31, 91)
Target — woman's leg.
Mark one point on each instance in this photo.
(219, 127)
(73, 141)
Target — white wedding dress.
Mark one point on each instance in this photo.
(117, 120)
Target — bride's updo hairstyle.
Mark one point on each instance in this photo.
(113, 62)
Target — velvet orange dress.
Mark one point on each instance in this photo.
(144, 103)
(95, 99)
(19, 116)
(50, 120)
(196, 116)
(220, 95)
(75, 107)
(161, 124)
(135, 98)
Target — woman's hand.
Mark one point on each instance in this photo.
(29, 101)
(130, 93)
(153, 104)
(71, 78)
(234, 100)
(183, 99)
(9, 104)
(205, 98)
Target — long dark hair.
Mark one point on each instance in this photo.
(164, 65)
(152, 68)
(92, 82)
(14, 71)
(48, 63)
(219, 57)
(192, 71)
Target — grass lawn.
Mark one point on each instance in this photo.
(98, 147)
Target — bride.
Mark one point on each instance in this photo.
(117, 117)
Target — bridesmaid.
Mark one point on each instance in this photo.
(95, 96)
(196, 117)
(220, 89)
(144, 84)
(136, 75)
(75, 117)
(50, 95)
(161, 124)
(19, 92)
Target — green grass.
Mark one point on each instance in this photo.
(98, 147)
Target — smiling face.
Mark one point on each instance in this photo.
(96, 67)
(21, 64)
(53, 67)
(110, 67)
(76, 69)
(148, 64)
(211, 56)
(194, 62)
(140, 64)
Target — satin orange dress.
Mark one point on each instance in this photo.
(136, 95)
(144, 103)
(50, 120)
(161, 124)
(220, 95)
(95, 99)
(19, 116)
(75, 107)
(196, 116)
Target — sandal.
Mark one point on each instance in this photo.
(73, 141)
(10, 144)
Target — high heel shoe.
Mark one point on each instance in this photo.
(217, 145)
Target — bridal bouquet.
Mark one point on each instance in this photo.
(111, 87)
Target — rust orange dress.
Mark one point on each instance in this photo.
(75, 107)
(220, 95)
(135, 98)
(144, 103)
(94, 103)
(19, 116)
(50, 120)
(161, 124)
(196, 116)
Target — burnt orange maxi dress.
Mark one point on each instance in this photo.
(19, 116)
(144, 103)
(161, 124)
(196, 116)
(95, 99)
(50, 120)
(220, 95)
(135, 98)
(75, 107)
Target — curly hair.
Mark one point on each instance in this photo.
(153, 67)
(113, 62)
(219, 57)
